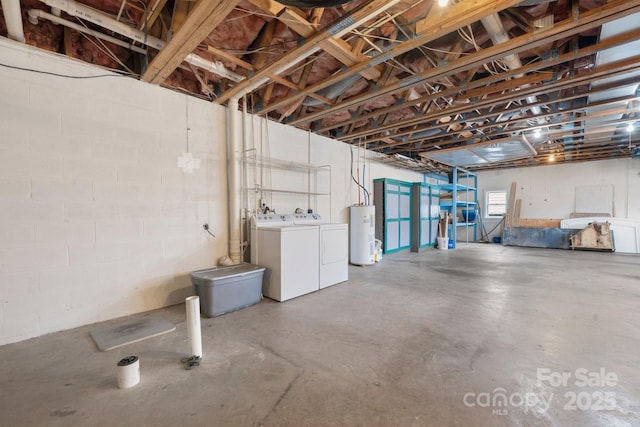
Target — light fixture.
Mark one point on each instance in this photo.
(537, 133)
(630, 127)
(552, 158)
(442, 3)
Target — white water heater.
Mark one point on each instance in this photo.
(362, 226)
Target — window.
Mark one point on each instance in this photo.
(496, 204)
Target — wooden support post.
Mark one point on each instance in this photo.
(508, 222)
(516, 213)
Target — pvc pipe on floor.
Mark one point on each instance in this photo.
(128, 372)
(193, 326)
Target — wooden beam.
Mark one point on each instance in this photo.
(538, 222)
(337, 48)
(517, 212)
(151, 17)
(511, 205)
(591, 19)
(619, 68)
(265, 38)
(203, 19)
(181, 9)
(292, 57)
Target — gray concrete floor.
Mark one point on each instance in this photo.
(429, 339)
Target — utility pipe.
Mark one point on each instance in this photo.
(34, 14)
(234, 179)
(13, 19)
(105, 21)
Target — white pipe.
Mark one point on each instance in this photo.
(95, 16)
(34, 14)
(498, 34)
(99, 18)
(124, 2)
(215, 67)
(234, 179)
(149, 13)
(13, 19)
(194, 333)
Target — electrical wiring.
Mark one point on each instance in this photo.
(118, 73)
(356, 180)
(103, 47)
(248, 13)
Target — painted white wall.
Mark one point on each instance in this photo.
(549, 191)
(276, 141)
(96, 219)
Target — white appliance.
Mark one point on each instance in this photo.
(334, 249)
(363, 234)
(289, 252)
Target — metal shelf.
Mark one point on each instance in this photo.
(459, 187)
(460, 204)
(470, 187)
(279, 190)
(310, 175)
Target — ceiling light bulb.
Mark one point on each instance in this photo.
(630, 127)
(442, 3)
(552, 158)
(537, 133)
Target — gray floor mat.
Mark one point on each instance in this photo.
(130, 331)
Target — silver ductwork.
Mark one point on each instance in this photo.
(498, 34)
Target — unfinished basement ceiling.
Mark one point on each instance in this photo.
(405, 78)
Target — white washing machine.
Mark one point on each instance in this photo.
(334, 249)
(290, 254)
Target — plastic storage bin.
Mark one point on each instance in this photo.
(225, 289)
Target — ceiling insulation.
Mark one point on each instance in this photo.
(405, 78)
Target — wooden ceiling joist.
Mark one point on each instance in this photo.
(311, 45)
(466, 12)
(206, 16)
(508, 75)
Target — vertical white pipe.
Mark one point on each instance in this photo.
(234, 179)
(193, 326)
(13, 19)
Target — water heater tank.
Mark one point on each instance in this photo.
(362, 226)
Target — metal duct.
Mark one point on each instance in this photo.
(332, 92)
(13, 19)
(335, 90)
(498, 34)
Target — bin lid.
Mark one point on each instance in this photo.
(228, 271)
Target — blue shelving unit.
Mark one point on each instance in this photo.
(465, 184)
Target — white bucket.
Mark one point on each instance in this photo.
(128, 372)
(443, 243)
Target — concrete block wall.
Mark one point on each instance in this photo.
(96, 219)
